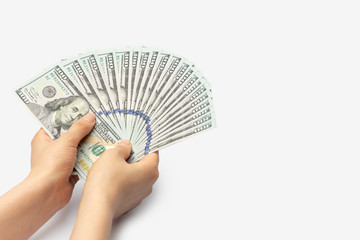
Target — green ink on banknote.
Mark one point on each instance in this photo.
(98, 150)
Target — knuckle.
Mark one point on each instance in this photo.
(154, 174)
(71, 139)
(79, 124)
(33, 141)
(148, 192)
(112, 155)
(115, 151)
(107, 154)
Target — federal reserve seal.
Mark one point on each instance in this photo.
(49, 91)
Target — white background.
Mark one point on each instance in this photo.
(283, 162)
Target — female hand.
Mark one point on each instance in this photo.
(48, 188)
(121, 185)
(112, 188)
(54, 160)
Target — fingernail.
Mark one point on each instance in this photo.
(90, 117)
(124, 143)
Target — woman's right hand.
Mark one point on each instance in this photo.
(122, 185)
(112, 188)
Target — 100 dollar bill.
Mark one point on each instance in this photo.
(56, 102)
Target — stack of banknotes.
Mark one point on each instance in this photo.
(151, 97)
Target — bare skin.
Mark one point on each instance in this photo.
(50, 183)
(113, 187)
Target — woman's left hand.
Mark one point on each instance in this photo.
(54, 160)
(49, 186)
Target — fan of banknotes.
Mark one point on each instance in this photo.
(151, 97)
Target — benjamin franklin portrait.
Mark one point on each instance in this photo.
(58, 115)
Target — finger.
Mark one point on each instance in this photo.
(41, 135)
(150, 163)
(79, 129)
(73, 180)
(151, 159)
(123, 149)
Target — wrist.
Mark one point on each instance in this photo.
(26, 207)
(98, 201)
(97, 209)
(48, 187)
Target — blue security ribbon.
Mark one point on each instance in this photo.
(147, 122)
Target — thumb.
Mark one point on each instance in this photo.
(123, 148)
(79, 129)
